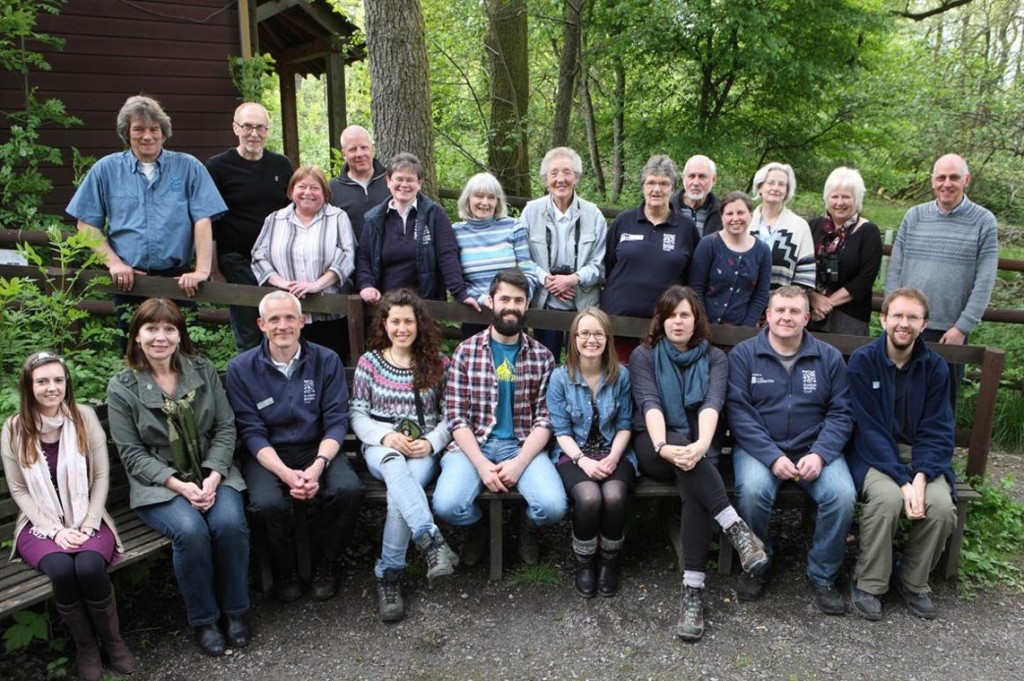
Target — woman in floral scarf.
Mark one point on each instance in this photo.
(55, 461)
(175, 433)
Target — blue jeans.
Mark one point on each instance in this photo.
(833, 492)
(408, 508)
(237, 269)
(459, 485)
(210, 553)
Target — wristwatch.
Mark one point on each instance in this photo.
(327, 462)
(657, 447)
(576, 459)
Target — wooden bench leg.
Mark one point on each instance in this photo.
(304, 555)
(494, 511)
(951, 558)
(724, 555)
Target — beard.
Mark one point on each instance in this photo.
(508, 328)
(696, 196)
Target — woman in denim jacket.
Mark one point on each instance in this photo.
(591, 411)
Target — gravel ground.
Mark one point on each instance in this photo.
(522, 628)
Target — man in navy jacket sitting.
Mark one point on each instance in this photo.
(789, 412)
(901, 457)
(291, 408)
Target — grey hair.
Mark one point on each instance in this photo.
(701, 157)
(482, 183)
(845, 178)
(575, 162)
(761, 175)
(279, 295)
(403, 160)
(660, 164)
(146, 109)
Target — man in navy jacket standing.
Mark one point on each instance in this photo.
(291, 408)
(789, 412)
(901, 457)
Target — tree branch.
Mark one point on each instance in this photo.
(943, 6)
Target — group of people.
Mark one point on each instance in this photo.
(498, 414)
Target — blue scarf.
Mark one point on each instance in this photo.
(682, 379)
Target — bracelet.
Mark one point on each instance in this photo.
(576, 459)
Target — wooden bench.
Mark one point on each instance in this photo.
(21, 586)
(977, 439)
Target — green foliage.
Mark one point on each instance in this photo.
(253, 77)
(216, 342)
(992, 551)
(534, 575)
(28, 626)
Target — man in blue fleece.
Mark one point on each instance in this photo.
(901, 457)
(291, 408)
(789, 413)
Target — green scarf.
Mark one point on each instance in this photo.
(183, 437)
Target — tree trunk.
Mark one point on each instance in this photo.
(568, 67)
(400, 83)
(591, 125)
(618, 129)
(506, 43)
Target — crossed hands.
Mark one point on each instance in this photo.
(807, 468)
(202, 497)
(499, 477)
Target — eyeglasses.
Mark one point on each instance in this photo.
(566, 173)
(587, 335)
(660, 184)
(900, 317)
(249, 128)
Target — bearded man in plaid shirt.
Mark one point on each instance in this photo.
(495, 403)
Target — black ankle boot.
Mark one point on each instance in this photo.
(586, 574)
(608, 571)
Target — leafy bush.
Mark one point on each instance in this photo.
(992, 552)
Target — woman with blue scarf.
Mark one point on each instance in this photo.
(679, 386)
(489, 240)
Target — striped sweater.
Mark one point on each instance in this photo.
(488, 246)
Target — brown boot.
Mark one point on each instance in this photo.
(87, 651)
(105, 620)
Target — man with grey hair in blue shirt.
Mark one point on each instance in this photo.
(151, 209)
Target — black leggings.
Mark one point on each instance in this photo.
(598, 505)
(701, 492)
(76, 576)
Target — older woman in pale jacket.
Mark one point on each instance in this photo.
(567, 243)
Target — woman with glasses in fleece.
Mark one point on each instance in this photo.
(591, 410)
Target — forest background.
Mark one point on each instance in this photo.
(882, 85)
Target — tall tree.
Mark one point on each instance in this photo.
(506, 43)
(400, 82)
(568, 68)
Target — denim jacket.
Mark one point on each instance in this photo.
(570, 411)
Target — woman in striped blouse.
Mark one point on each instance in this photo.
(395, 410)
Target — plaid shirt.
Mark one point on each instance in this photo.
(471, 396)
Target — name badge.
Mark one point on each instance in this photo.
(265, 403)
(875, 385)
(631, 237)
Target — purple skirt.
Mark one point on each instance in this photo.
(33, 549)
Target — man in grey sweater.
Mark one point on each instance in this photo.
(948, 248)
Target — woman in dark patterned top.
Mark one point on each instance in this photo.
(848, 249)
(395, 410)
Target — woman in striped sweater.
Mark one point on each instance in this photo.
(395, 410)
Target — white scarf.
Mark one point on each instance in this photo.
(70, 507)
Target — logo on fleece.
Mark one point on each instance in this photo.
(809, 379)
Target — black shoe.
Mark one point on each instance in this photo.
(864, 604)
(529, 542)
(828, 598)
(586, 574)
(287, 587)
(750, 586)
(326, 579)
(608, 573)
(918, 603)
(210, 639)
(236, 630)
(475, 545)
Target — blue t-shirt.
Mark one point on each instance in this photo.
(505, 372)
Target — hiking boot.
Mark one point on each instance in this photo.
(390, 604)
(691, 616)
(750, 586)
(747, 544)
(441, 560)
(864, 604)
(475, 544)
(287, 587)
(828, 598)
(326, 579)
(918, 603)
(529, 542)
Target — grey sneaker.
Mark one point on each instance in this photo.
(750, 547)
(691, 616)
(918, 603)
(864, 604)
(390, 604)
(441, 560)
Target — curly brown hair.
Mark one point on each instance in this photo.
(427, 367)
